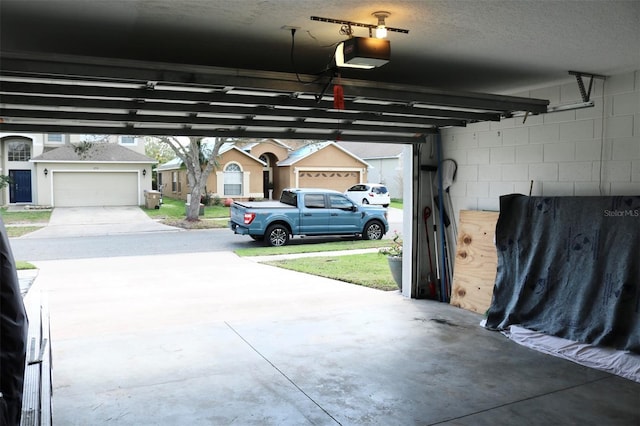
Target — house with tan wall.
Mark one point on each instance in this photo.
(258, 170)
(322, 165)
(239, 175)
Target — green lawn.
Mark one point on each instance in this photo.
(19, 231)
(369, 269)
(23, 222)
(22, 265)
(25, 216)
(175, 209)
(396, 203)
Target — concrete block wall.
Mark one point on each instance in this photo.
(592, 151)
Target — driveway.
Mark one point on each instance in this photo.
(215, 339)
(92, 221)
(395, 219)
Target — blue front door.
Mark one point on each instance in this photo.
(20, 186)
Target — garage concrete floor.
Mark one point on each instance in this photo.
(137, 341)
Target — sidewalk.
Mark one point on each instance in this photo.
(259, 259)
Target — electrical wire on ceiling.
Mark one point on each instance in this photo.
(329, 70)
(320, 74)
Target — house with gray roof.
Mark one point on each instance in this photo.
(56, 170)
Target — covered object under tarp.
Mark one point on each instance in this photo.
(13, 336)
(569, 267)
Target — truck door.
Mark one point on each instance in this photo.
(314, 215)
(344, 218)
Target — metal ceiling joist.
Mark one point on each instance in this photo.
(223, 133)
(376, 112)
(226, 97)
(144, 119)
(164, 108)
(90, 95)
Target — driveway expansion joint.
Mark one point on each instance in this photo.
(283, 374)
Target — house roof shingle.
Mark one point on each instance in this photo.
(310, 149)
(370, 151)
(101, 152)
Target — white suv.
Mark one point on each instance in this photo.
(369, 193)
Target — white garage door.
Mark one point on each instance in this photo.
(75, 189)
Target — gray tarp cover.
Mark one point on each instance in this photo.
(569, 267)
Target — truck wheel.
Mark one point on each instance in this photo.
(276, 236)
(373, 231)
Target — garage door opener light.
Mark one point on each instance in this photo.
(363, 52)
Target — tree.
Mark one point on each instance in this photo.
(158, 150)
(4, 181)
(199, 159)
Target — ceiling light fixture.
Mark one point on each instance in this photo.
(381, 29)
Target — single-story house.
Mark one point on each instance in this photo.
(385, 160)
(254, 170)
(53, 170)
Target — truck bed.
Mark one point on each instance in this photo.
(263, 205)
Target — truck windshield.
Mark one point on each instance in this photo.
(290, 198)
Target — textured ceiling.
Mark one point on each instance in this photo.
(235, 68)
(489, 46)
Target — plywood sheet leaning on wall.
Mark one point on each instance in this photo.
(476, 261)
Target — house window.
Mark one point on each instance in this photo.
(233, 180)
(127, 140)
(174, 181)
(19, 151)
(54, 137)
(265, 159)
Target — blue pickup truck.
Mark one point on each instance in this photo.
(307, 212)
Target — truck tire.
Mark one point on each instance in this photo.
(373, 230)
(276, 235)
